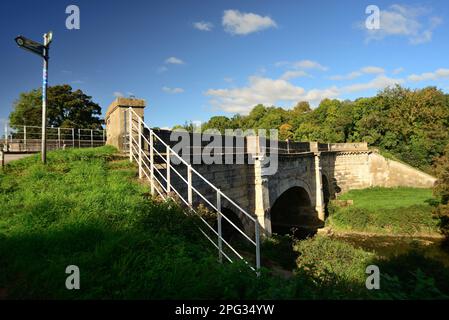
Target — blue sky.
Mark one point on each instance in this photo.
(191, 60)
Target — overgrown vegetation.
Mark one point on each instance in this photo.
(339, 267)
(442, 191)
(86, 208)
(411, 125)
(386, 210)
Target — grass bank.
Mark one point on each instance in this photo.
(86, 208)
(406, 211)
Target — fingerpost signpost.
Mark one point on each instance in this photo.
(42, 51)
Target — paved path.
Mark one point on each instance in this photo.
(11, 157)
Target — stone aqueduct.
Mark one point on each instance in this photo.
(308, 176)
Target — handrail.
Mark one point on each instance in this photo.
(194, 171)
(147, 163)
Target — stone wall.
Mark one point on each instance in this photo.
(117, 121)
(389, 173)
(346, 170)
(357, 170)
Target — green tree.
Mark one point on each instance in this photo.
(285, 132)
(65, 108)
(220, 123)
(441, 190)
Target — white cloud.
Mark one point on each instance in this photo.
(314, 96)
(293, 74)
(228, 79)
(437, 74)
(203, 25)
(308, 64)
(118, 94)
(281, 63)
(379, 82)
(173, 90)
(301, 64)
(412, 22)
(279, 91)
(236, 22)
(349, 76)
(358, 73)
(260, 90)
(398, 70)
(174, 60)
(372, 70)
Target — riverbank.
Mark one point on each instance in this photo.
(390, 245)
(388, 211)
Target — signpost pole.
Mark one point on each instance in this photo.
(44, 103)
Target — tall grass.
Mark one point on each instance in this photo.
(86, 209)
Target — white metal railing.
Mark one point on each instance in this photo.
(165, 188)
(28, 138)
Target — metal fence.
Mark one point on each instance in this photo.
(158, 167)
(29, 138)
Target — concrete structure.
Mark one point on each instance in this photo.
(309, 174)
(117, 122)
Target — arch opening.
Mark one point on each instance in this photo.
(293, 213)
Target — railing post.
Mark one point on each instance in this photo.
(189, 185)
(219, 218)
(91, 138)
(168, 169)
(151, 162)
(59, 138)
(103, 136)
(73, 138)
(139, 126)
(130, 131)
(257, 236)
(79, 138)
(25, 137)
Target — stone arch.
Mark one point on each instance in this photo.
(286, 184)
(293, 211)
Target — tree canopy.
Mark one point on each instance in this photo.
(413, 125)
(65, 108)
